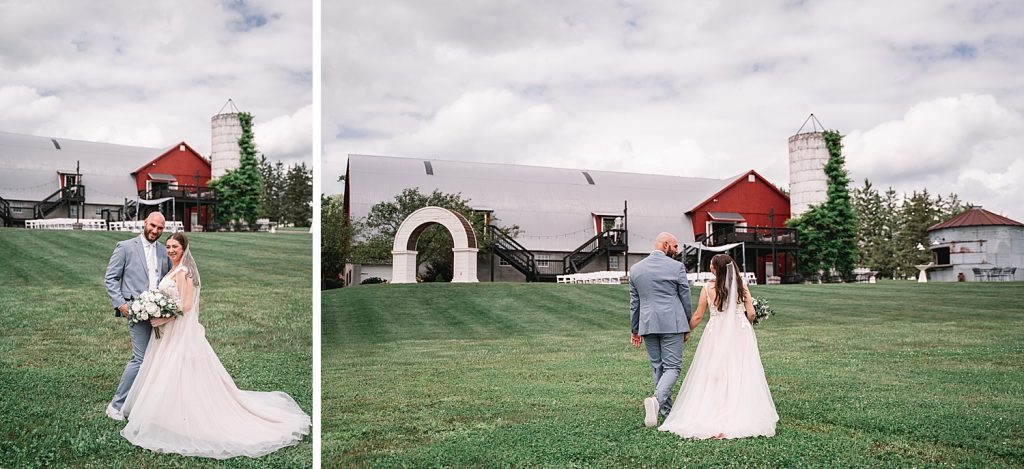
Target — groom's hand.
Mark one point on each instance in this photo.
(637, 339)
(124, 310)
(686, 337)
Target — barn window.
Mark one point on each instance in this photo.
(542, 260)
(502, 262)
(613, 263)
(751, 178)
(430, 169)
(941, 255)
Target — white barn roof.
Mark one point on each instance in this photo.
(553, 207)
(30, 165)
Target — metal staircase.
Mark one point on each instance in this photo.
(606, 242)
(523, 260)
(6, 217)
(72, 194)
(515, 254)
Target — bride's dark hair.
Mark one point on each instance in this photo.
(721, 263)
(181, 239)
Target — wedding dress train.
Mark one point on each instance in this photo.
(185, 402)
(725, 391)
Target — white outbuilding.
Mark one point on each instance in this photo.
(977, 245)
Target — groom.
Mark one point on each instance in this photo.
(136, 265)
(659, 300)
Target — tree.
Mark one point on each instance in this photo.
(297, 195)
(239, 190)
(918, 213)
(377, 232)
(335, 241)
(878, 228)
(271, 198)
(828, 232)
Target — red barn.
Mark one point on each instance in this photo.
(178, 177)
(752, 211)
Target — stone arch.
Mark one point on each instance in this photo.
(403, 266)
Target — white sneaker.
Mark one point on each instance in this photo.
(650, 411)
(114, 413)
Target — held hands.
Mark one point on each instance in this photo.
(160, 321)
(637, 340)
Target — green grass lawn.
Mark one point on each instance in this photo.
(893, 374)
(62, 351)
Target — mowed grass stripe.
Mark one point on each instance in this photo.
(893, 374)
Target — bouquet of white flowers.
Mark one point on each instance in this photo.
(152, 304)
(762, 310)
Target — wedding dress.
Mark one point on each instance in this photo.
(185, 402)
(725, 391)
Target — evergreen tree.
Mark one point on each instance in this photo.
(878, 228)
(335, 241)
(297, 196)
(919, 212)
(271, 198)
(828, 232)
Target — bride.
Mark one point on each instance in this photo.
(725, 394)
(184, 401)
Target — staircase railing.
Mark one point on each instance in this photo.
(72, 194)
(200, 193)
(514, 253)
(6, 217)
(591, 248)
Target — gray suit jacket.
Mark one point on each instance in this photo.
(126, 275)
(659, 296)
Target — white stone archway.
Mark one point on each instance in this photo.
(403, 266)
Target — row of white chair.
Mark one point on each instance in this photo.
(136, 226)
(66, 224)
(604, 277)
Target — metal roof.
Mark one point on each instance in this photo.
(29, 167)
(975, 216)
(552, 206)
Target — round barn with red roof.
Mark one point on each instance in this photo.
(979, 244)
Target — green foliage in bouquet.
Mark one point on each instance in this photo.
(762, 310)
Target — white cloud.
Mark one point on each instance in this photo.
(968, 145)
(23, 108)
(286, 136)
(696, 88)
(154, 73)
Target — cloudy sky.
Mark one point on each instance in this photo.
(152, 73)
(930, 94)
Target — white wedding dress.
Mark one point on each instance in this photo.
(725, 391)
(185, 402)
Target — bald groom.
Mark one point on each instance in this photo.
(659, 302)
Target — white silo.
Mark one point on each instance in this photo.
(808, 184)
(225, 129)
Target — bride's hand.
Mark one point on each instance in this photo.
(159, 321)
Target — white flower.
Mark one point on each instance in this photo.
(152, 308)
(143, 316)
(136, 306)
